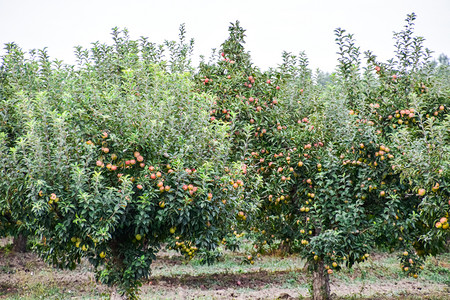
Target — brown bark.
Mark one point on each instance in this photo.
(20, 243)
(321, 283)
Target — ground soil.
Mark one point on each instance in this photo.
(26, 276)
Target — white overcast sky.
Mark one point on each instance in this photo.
(272, 26)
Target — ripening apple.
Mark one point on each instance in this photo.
(421, 192)
(435, 188)
(140, 187)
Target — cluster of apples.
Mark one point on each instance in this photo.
(442, 223)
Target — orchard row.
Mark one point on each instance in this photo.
(127, 151)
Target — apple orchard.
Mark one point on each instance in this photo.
(133, 149)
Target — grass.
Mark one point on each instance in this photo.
(271, 277)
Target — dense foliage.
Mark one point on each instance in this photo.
(130, 149)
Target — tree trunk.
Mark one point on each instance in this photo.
(20, 243)
(321, 283)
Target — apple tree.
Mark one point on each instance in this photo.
(114, 157)
(382, 181)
